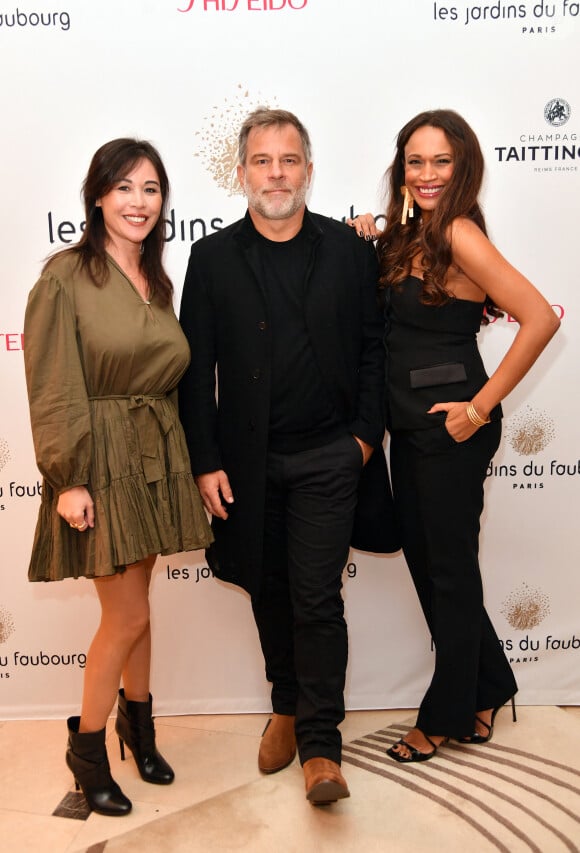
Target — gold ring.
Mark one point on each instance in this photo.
(82, 526)
(72, 524)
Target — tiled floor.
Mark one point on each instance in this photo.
(211, 755)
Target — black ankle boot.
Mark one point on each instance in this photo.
(135, 728)
(87, 759)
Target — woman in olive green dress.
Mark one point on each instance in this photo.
(104, 353)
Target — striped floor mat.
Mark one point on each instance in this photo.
(520, 793)
(505, 795)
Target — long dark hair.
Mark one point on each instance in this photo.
(110, 163)
(399, 244)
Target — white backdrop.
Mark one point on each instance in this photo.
(183, 74)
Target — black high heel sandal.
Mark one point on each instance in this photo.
(476, 737)
(414, 753)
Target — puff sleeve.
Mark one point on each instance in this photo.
(59, 407)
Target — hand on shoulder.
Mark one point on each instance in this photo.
(365, 226)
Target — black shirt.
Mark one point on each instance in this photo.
(302, 415)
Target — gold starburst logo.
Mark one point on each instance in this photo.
(6, 625)
(218, 139)
(525, 608)
(4, 453)
(530, 432)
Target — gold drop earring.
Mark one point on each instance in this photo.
(408, 202)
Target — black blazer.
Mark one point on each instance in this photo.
(224, 315)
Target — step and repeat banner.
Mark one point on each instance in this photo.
(184, 74)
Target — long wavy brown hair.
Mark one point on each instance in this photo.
(399, 244)
(111, 162)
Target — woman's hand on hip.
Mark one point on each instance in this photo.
(457, 424)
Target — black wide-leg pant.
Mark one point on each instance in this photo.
(309, 514)
(438, 491)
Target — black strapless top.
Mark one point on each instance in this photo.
(432, 355)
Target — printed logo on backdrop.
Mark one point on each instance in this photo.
(243, 5)
(12, 490)
(19, 491)
(194, 574)
(197, 574)
(23, 19)
(6, 624)
(6, 631)
(530, 433)
(217, 148)
(218, 139)
(557, 112)
(4, 453)
(19, 662)
(11, 342)
(544, 150)
(5, 458)
(529, 19)
(525, 609)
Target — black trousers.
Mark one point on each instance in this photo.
(309, 513)
(438, 491)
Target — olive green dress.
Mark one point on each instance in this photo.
(102, 366)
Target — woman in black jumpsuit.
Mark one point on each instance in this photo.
(441, 279)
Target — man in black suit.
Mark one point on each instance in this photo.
(283, 303)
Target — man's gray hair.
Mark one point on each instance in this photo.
(266, 117)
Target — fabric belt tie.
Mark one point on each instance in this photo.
(140, 405)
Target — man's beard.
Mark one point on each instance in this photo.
(280, 208)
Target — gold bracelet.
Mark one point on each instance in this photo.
(474, 417)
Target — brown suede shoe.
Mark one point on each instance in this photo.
(278, 744)
(324, 781)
